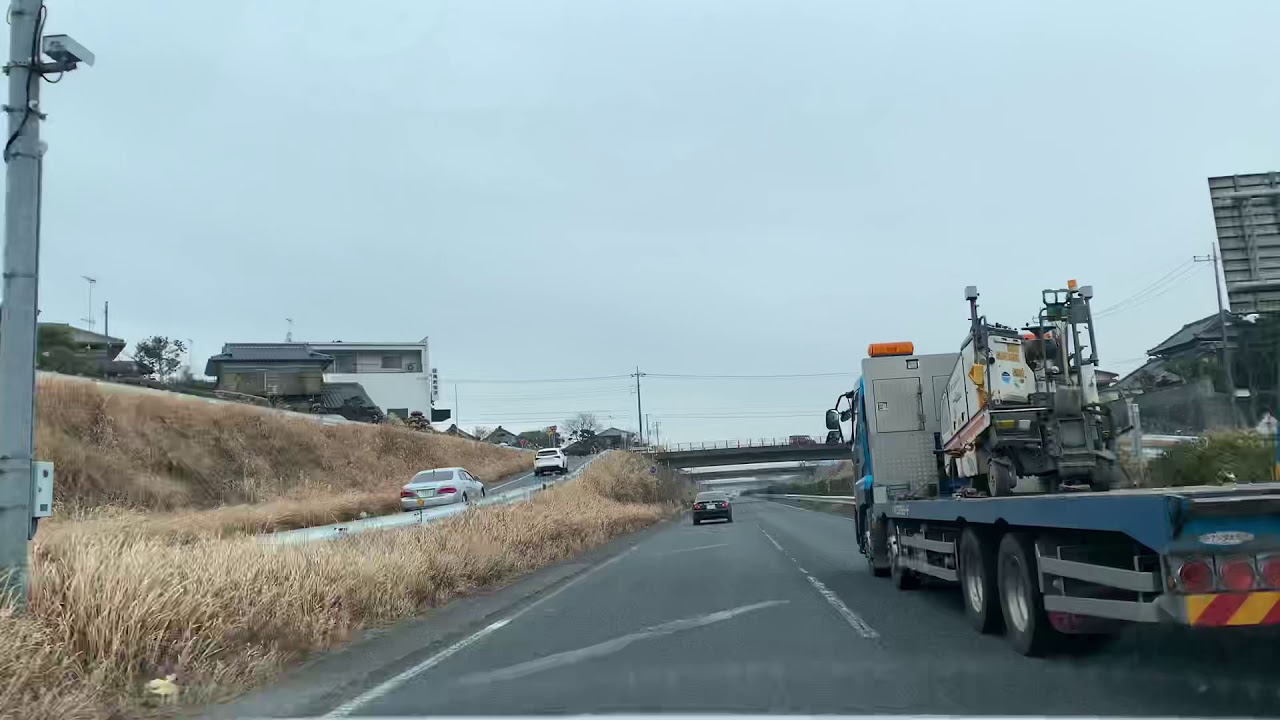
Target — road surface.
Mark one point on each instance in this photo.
(528, 479)
(773, 613)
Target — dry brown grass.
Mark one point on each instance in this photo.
(150, 452)
(112, 610)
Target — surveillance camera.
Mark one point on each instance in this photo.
(66, 51)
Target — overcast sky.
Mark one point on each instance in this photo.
(575, 189)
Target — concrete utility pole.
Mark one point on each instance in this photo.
(1222, 322)
(639, 412)
(22, 156)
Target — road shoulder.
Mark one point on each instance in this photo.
(329, 679)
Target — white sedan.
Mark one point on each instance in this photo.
(443, 486)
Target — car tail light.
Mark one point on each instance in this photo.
(408, 494)
(446, 491)
(697, 506)
(1195, 576)
(1270, 568)
(1237, 574)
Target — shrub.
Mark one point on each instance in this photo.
(1242, 456)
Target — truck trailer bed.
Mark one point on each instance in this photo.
(1163, 519)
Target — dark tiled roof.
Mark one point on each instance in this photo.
(1202, 330)
(282, 352)
(336, 395)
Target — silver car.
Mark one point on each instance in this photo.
(443, 486)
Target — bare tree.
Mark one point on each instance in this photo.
(582, 426)
(481, 432)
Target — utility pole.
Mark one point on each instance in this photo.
(22, 156)
(288, 335)
(106, 318)
(88, 319)
(639, 412)
(457, 412)
(1212, 257)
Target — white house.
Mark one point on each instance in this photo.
(397, 376)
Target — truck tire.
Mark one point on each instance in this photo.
(978, 585)
(1021, 604)
(903, 578)
(869, 547)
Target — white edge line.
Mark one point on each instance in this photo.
(387, 686)
(854, 619)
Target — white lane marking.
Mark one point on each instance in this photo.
(499, 487)
(608, 647)
(685, 550)
(849, 616)
(855, 621)
(351, 706)
(382, 689)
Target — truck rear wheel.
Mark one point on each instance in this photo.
(903, 578)
(1026, 625)
(978, 582)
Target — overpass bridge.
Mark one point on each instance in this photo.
(746, 452)
(758, 474)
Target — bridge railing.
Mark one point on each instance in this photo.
(791, 441)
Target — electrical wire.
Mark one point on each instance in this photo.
(780, 376)
(469, 381)
(1171, 284)
(33, 74)
(1167, 277)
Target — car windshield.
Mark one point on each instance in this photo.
(804, 357)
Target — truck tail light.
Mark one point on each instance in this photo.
(1195, 576)
(1237, 574)
(1270, 567)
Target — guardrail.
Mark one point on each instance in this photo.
(792, 441)
(834, 499)
(417, 517)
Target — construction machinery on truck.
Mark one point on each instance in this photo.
(1051, 559)
(1025, 404)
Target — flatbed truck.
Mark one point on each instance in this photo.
(1040, 566)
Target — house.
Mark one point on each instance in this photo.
(272, 369)
(456, 431)
(395, 375)
(501, 435)
(1180, 390)
(614, 439)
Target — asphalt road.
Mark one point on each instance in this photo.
(528, 479)
(773, 613)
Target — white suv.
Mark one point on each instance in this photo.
(550, 460)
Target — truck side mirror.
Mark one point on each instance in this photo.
(833, 420)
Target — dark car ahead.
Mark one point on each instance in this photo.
(712, 506)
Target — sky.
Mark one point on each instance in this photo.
(553, 190)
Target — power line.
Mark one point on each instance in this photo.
(530, 381)
(1170, 276)
(780, 376)
(1171, 284)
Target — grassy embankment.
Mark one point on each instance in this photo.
(183, 465)
(113, 610)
